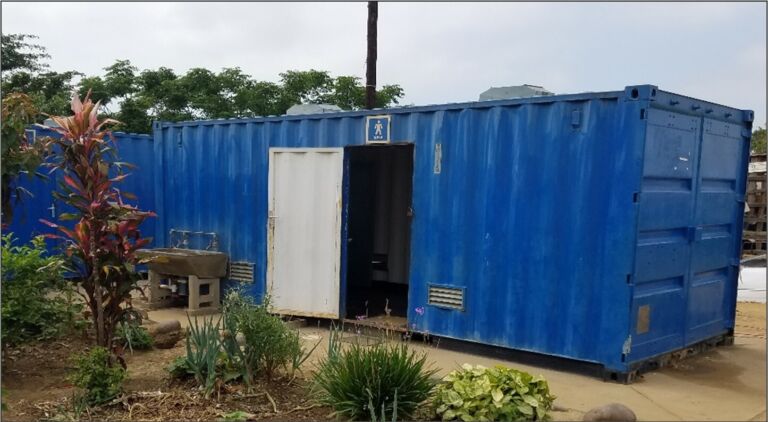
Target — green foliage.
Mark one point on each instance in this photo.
(237, 415)
(269, 345)
(492, 394)
(141, 96)
(98, 376)
(358, 381)
(203, 347)
(101, 246)
(18, 53)
(759, 141)
(37, 304)
(20, 155)
(180, 368)
(133, 336)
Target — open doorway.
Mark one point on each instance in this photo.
(379, 233)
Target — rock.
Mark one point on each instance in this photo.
(167, 340)
(611, 412)
(165, 334)
(164, 327)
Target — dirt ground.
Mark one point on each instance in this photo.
(35, 386)
(750, 319)
(727, 383)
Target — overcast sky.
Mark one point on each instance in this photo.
(438, 52)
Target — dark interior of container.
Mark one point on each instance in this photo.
(378, 227)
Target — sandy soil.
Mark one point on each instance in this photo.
(750, 320)
(35, 384)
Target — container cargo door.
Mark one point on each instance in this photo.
(714, 243)
(666, 206)
(304, 230)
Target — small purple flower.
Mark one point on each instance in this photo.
(361, 317)
(420, 310)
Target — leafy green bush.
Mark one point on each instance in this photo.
(37, 304)
(492, 394)
(133, 336)
(98, 376)
(359, 381)
(268, 344)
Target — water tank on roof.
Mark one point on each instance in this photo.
(517, 91)
(312, 109)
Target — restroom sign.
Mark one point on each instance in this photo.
(377, 129)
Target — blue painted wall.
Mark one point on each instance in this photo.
(133, 148)
(604, 227)
(542, 212)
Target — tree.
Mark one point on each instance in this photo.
(759, 141)
(102, 244)
(24, 71)
(137, 97)
(20, 154)
(17, 53)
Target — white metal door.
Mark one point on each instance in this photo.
(305, 230)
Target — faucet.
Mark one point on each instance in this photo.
(181, 243)
(214, 244)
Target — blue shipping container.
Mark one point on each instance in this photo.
(132, 148)
(603, 227)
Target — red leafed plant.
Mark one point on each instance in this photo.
(102, 244)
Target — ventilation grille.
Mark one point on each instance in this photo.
(446, 297)
(241, 271)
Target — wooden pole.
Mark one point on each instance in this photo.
(370, 72)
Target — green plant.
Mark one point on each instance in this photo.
(20, 155)
(237, 415)
(360, 380)
(37, 303)
(203, 347)
(180, 368)
(383, 416)
(133, 336)
(100, 378)
(268, 344)
(102, 245)
(492, 394)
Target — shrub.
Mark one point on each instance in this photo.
(495, 394)
(359, 382)
(101, 245)
(133, 336)
(268, 345)
(37, 304)
(98, 376)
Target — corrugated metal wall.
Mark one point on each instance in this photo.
(533, 212)
(133, 148)
(518, 215)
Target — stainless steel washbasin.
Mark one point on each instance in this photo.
(185, 262)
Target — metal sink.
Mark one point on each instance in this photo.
(185, 262)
